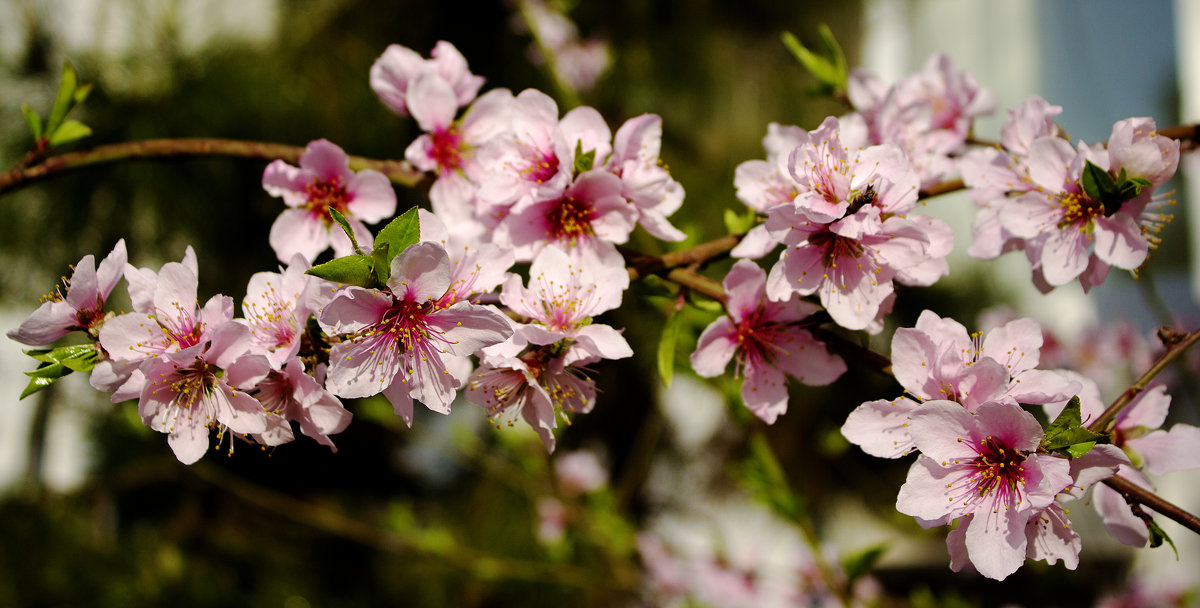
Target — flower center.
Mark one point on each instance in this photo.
(835, 247)
(570, 219)
(1078, 208)
(542, 169)
(447, 149)
(192, 384)
(997, 469)
(325, 195)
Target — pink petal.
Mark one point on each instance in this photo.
(420, 273)
(1169, 451)
(880, 427)
(432, 102)
(371, 197)
(996, 543)
(326, 161)
(715, 348)
(296, 231)
(1119, 241)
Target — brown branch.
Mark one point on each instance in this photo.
(1134, 493)
(398, 172)
(1103, 423)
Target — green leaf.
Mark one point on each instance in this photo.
(1076, 450)
(858, 564)
(666, 347)
(69, 131)
(35, 121)
(62, 102)
(831, 72)
(400, 233)
(1097, 184)
(350, 270)
(737, 223)
(341, 221)
(81, 93)
(1067, 435)
(381, 267)
(77, 357)
(1157, 536)
(584, 161)
(42, 377)
(835, 52)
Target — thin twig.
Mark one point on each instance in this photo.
(1137, 494)
(1103, 423)
(399, 172)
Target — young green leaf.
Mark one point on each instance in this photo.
(81, 93)
(341, 221)
(400, 233)
(42, 377)
(737, 223)
(35, 121)
(69, 131)
(584, 161)
(62, 102)
(1067, 434)
(666, 347)
(350, 270)
(831, 73)
(381, 265)
(857, 564)
(1158, 535)
(77, 357)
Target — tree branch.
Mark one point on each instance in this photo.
(399, 172)
(1136, 494)
(1175, 347)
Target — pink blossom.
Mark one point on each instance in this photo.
(768, 340)
(564, 295)
(764, 184)
(277, 308)
(1068, 234)
(938, 361)
(589, 215)
(535, 158)
(394, 72)
(536, 386)
(928, 114)
(324, 181)
(81, 308)
(173, 321)
(982, 467)
(290, 394)
(645, 181)
(203, 386)
(992, 174)
(846, 235)
(450, 148)
(398, 339)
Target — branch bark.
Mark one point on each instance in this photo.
(399, 172)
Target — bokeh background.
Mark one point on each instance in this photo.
(95, 510)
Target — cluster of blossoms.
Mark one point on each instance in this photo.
(194, 368)
(1075, 211)
(983, 459)
(496, 293)
(513, 183)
